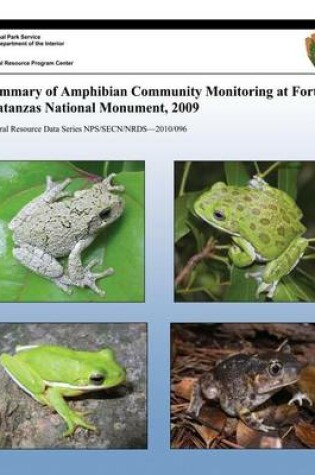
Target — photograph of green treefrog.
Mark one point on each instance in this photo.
(54, 375)
(244, 231)
(64, 228)
(243, 385)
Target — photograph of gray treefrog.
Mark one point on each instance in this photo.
(67, 226)
(56, 224)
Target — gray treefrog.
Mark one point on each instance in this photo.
(56, 225)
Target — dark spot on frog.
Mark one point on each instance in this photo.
(265, 221)
(235, 193)
(286, 218)
(256, 211)
(264, 238)
(240, 207)
(252, 226)
(280, 230)
(273, 206)
(247, 198)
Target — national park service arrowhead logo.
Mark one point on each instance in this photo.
(310, 47)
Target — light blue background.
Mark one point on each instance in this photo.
(160, 151)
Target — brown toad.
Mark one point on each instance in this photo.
(243, 382)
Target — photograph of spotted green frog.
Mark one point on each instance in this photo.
(310, 47)
(244, 231)
(242, 385)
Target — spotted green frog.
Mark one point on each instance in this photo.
(265, 226)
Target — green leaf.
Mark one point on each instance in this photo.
(95, 167)
(120, 247)
(242, 289)
(183, 205)
(293, 289)
(287, 178)
(236, 173)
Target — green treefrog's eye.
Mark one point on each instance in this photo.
(105, 213)
(97, 379)
(219, 215)
(275, 368)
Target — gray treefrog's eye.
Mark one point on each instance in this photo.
(275, 368)
(219, 215)
(105, 213)
(97, 379)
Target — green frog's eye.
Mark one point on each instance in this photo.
(275, 368)
(97, 379)
(105, 213)
(219, 215)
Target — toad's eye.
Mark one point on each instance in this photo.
(97, 379)
(105, 213)
(219, 215)
(275, 368)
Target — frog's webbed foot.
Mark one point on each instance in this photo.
(257, 183)
(54, 191)
(54, 399)
(64, 283)
(196, 399)
(75, 420)
(299, 397)
(83, 276)
(107, 182)
(263, 287)
(255, 422)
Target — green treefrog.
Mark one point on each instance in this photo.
(265, 226)
(50, 373)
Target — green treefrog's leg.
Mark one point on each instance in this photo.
(24, 376)
(43, 264)
(53, 398)
(53, 192)
(242, 253)
(82, 276)
(278, 268)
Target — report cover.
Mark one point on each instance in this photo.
(157, 238)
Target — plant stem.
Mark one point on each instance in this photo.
(257, 168)
(270, 169)
(221, 259)
(184, 178)
(205, 253)
(308, 257)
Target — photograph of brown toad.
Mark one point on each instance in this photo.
(243, 385)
